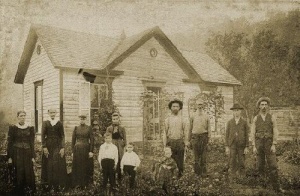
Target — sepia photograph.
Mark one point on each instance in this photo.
(149, 97)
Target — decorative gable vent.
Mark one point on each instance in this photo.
(38, 49)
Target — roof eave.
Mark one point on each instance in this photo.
(212, 83)
(26, 56)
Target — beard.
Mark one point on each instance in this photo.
(175, 111)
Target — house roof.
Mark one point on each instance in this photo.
(79, 50)
(127, 43)
(74, 49)
(208, 69)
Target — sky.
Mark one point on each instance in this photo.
(187, 23)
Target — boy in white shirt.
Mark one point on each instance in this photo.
(108, 159)
(129, 163)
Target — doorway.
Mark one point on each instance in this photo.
(153, 112)
(38, 106)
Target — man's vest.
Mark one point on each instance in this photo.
(264, 129)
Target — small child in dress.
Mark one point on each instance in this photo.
(129, 163)
(108, 159)
(165, 170)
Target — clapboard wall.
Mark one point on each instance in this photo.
(288, 122)
(41, 69)
(71, 101)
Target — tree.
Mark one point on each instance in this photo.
(264, 60)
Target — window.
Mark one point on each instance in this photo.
(98, 92)
(90, 97)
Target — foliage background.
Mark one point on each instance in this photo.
(264, 56)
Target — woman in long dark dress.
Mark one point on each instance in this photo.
(20, 151)
(54, 168)
(82, 148)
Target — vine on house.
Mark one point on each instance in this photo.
(213, 104)
(148, 100)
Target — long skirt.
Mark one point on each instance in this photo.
(24, 177)
(82, 165)
(54, 169)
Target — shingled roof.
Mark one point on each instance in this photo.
(75, 49)
(208, 69)
(80, 50)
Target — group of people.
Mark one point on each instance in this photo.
(263, 135)
(112, 159)
(178, 135)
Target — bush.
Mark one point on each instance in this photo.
(290, 151)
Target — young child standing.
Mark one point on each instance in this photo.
(119, 139)
(108, 159)
(165, 170)
(129, 163)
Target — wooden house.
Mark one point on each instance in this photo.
(73, 72)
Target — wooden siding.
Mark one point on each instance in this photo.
(127, 99)
(128, 88)
(41, 68)
(288, 122)
(71, 104)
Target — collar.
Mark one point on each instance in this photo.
(53, 122)
(237, 120)
(22, 126)
(263, 115)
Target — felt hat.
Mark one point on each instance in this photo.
(115, 114)
(82, 116)
(176, 101)
(267, 99)
(236, 106)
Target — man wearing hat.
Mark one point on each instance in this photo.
(236, 141)
(175, 134)
(200, 134)
(264, 135)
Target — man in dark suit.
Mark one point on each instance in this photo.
(237, 141)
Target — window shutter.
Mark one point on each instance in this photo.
(84, 100)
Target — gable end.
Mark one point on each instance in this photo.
(166, 43)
